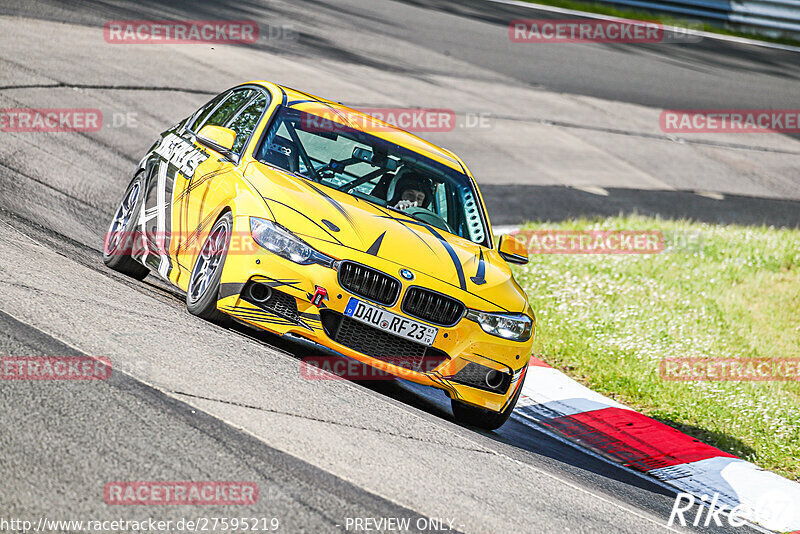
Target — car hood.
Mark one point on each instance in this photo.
(334, 222)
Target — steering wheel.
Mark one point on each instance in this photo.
(428, 217)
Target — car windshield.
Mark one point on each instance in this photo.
(354, 161)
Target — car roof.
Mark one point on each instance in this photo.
(338, 112)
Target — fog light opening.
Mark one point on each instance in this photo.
(494, 379)
(260, 293)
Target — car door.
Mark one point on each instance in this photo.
(198, 198)
(182, 166)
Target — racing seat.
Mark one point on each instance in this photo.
(382, 189)
(282, 153)
(388, 183)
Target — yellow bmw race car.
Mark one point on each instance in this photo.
(300, 216)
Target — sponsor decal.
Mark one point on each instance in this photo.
(181, 153)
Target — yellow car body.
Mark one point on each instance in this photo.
(188, 185)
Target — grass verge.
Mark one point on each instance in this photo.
(714, 292)
(663, 18)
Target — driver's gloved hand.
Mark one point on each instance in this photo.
(405, 204)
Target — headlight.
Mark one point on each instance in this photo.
(516, 326)
(277, 239)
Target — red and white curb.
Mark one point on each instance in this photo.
(551, 399)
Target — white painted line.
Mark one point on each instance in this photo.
(688, 31)
(710, 194)
(592, 189)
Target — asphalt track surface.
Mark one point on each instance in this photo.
(193, 401)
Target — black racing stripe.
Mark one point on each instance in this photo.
(480, 277)
(454, 394)
(462, 282)
(277, 320)
(306, 216)
(403, 223)
(274, 282)
(272, 215)
(194, 184)
(258, 315)
(196, 233)
(376, 246)
(333, 202)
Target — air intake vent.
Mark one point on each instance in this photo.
(381, 345)
(369, 283)
(432, 307)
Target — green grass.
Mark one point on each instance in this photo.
(663, 18)
(715, 291)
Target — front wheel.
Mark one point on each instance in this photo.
(121, 236)
(468, 414)
(203, 292)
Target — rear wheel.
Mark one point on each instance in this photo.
(481, 417)
(121, 235)
(203, 292)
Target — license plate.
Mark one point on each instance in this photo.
(390, 322)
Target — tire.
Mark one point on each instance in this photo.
(468, 414)
(203, 291)
(121, 235)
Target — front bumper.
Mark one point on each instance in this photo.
(455, 347)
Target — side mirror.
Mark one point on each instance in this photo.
(217, 138)
(512, 250)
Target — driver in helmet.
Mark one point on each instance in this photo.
(412, 191)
